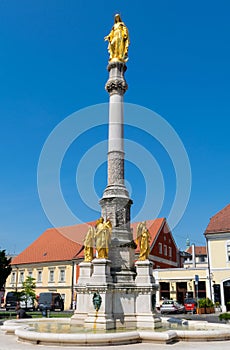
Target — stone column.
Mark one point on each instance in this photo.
(115, 202)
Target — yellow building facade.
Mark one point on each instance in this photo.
(50, 277)
(181, 283)
(218, 246)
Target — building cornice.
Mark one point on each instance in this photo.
(217, 235)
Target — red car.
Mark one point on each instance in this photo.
(190, 305)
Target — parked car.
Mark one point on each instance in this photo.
(171, 306)
(12, 300)
(50, 301)
(190, 305)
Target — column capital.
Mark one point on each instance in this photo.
(114, 86)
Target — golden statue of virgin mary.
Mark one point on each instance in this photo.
(118, 40)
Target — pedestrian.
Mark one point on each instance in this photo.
(21, 313)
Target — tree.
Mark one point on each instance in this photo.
(5, 268)
(28, 290)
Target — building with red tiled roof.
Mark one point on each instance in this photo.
(206, 270)
(220, 222)
(199, 250)
(217, 235)
(197, 256)
(53, 258)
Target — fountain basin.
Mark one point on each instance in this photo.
(194, 331)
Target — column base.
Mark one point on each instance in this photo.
(99, 320)
(148, 321)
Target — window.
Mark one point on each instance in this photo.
(202, 258)
(30, 273)
(21, 277)
(160, 248)
(62, 275)
(39, 276)
(165, 249)
(170, 252)
(51, 279)
(13, 277)
(201, 289)
(228, 251)
(164, 290)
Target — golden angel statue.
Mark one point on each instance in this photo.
(89, 244)
(118, 40)
(103, 231)
(143, 240)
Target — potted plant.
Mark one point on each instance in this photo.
(201, 306)
(206, 306)
(209, 306)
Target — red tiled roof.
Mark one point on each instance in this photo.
(64, 243)
(220, 222)
(52, 245)
(202, 250)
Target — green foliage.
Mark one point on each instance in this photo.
(28, 289)
(205, 302)
(209, 302)
(5, 268)
(202, 302)
(224, 317)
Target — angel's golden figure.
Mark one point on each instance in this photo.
(143, 240)
(89, 244)
(118, 40)
(103, 231)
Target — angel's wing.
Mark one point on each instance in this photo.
(139, 232)
(89, 236)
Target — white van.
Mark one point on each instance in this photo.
(27, 304)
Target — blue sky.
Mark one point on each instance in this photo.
(53, 63)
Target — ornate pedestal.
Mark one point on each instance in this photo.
(101, 272)
(101, 284)
(146, 294)
(83, 296)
